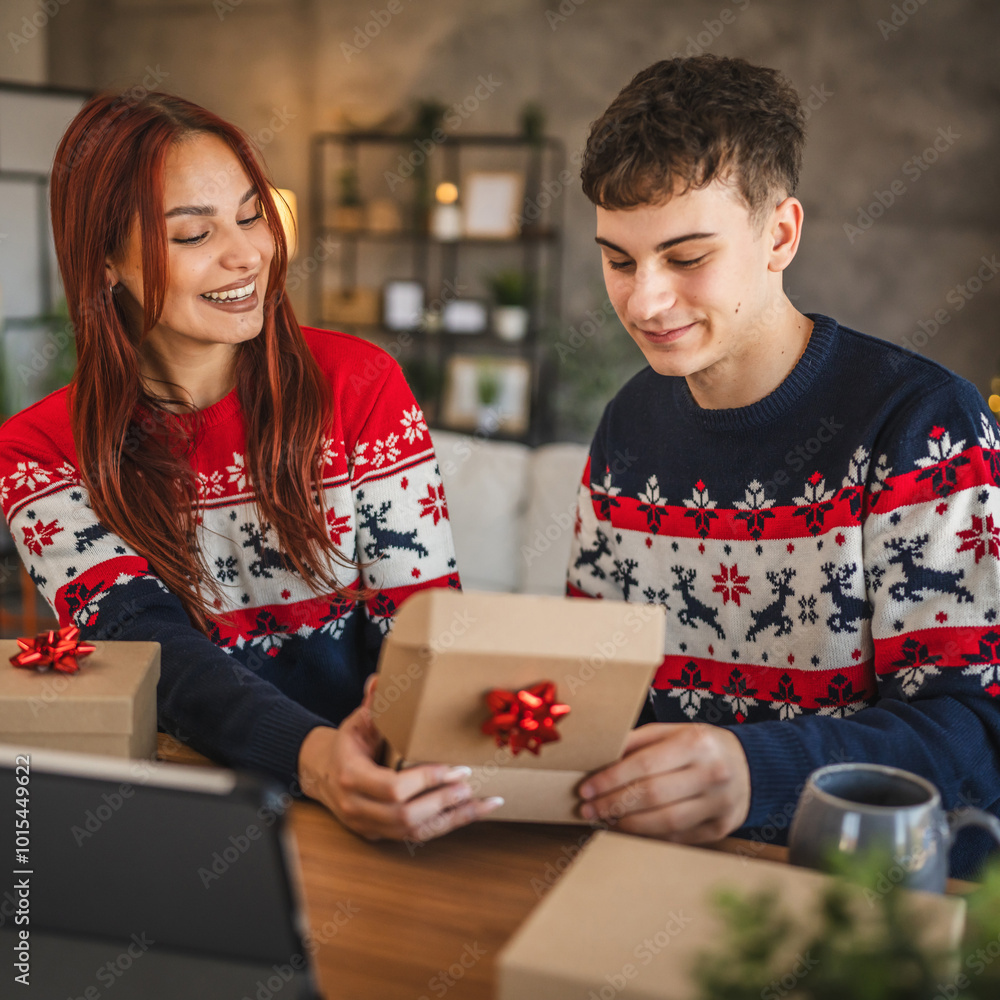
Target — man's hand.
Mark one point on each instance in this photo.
(687, 782)
(337, 767)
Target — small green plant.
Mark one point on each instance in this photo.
(848, 958)
(508, 288)
(532, 122)
(487, 387)
(350, 190)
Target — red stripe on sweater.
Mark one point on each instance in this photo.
(950, 645)
(695, 522)
(935, 483)
(921, 486)
(810, 685)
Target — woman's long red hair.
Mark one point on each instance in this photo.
(133, 452)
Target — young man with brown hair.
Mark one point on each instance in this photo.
(818, 510)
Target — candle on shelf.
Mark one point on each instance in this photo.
(446, 219)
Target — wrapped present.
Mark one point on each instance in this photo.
(59, 693)
(532, 693)
(631, 916)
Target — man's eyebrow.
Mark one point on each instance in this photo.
(206, 209)
(665, 245)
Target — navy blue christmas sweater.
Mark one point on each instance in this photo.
(280, 659)
(829, 558)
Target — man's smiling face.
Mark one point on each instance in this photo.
(689, 278)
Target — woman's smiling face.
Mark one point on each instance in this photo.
(219, 251)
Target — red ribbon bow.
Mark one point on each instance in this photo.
(525, 719)
(57, 649)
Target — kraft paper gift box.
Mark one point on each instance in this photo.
(630, 916)
(107, 707)
(447, 650)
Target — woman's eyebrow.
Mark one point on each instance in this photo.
(206, 209)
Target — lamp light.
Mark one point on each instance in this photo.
(288, 215)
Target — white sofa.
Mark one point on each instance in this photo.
(512, 510)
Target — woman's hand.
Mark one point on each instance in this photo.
(337, 767)
(689, 783)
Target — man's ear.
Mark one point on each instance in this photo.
(784, 230)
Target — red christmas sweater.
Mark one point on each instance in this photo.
(829, 558)
(280, 659)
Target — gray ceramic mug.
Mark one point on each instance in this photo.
(855, 808)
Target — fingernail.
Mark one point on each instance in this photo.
(588, 812)
(586, 792)
(457, 773)
(493, 802)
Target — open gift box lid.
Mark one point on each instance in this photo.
(447, 650)
(630, 916)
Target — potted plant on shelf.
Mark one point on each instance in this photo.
(487, 395)
(349, 215)
(510, 310)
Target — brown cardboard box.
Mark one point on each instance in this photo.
(447, 650)
(632, 915)
(107, 707)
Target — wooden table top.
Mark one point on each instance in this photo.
(410, 922)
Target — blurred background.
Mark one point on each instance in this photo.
(431, 154)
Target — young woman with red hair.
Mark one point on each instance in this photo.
(256, 497)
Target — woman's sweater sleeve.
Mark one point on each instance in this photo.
(94, 580)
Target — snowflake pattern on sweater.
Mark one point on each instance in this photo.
(827, 552)
(385, 505)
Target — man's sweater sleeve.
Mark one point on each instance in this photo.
(94, 580)
(931, 536)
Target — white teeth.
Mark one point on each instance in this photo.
(233, 295)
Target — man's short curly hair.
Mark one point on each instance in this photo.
(682, 123)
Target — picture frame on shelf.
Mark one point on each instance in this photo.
(487, 393)
(491, 203)
(351, 306)
(402, 305)
(465, 316)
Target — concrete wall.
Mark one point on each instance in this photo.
(24, 40)
(886, 81)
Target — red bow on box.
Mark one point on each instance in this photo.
(58, 649)
(525, 719)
